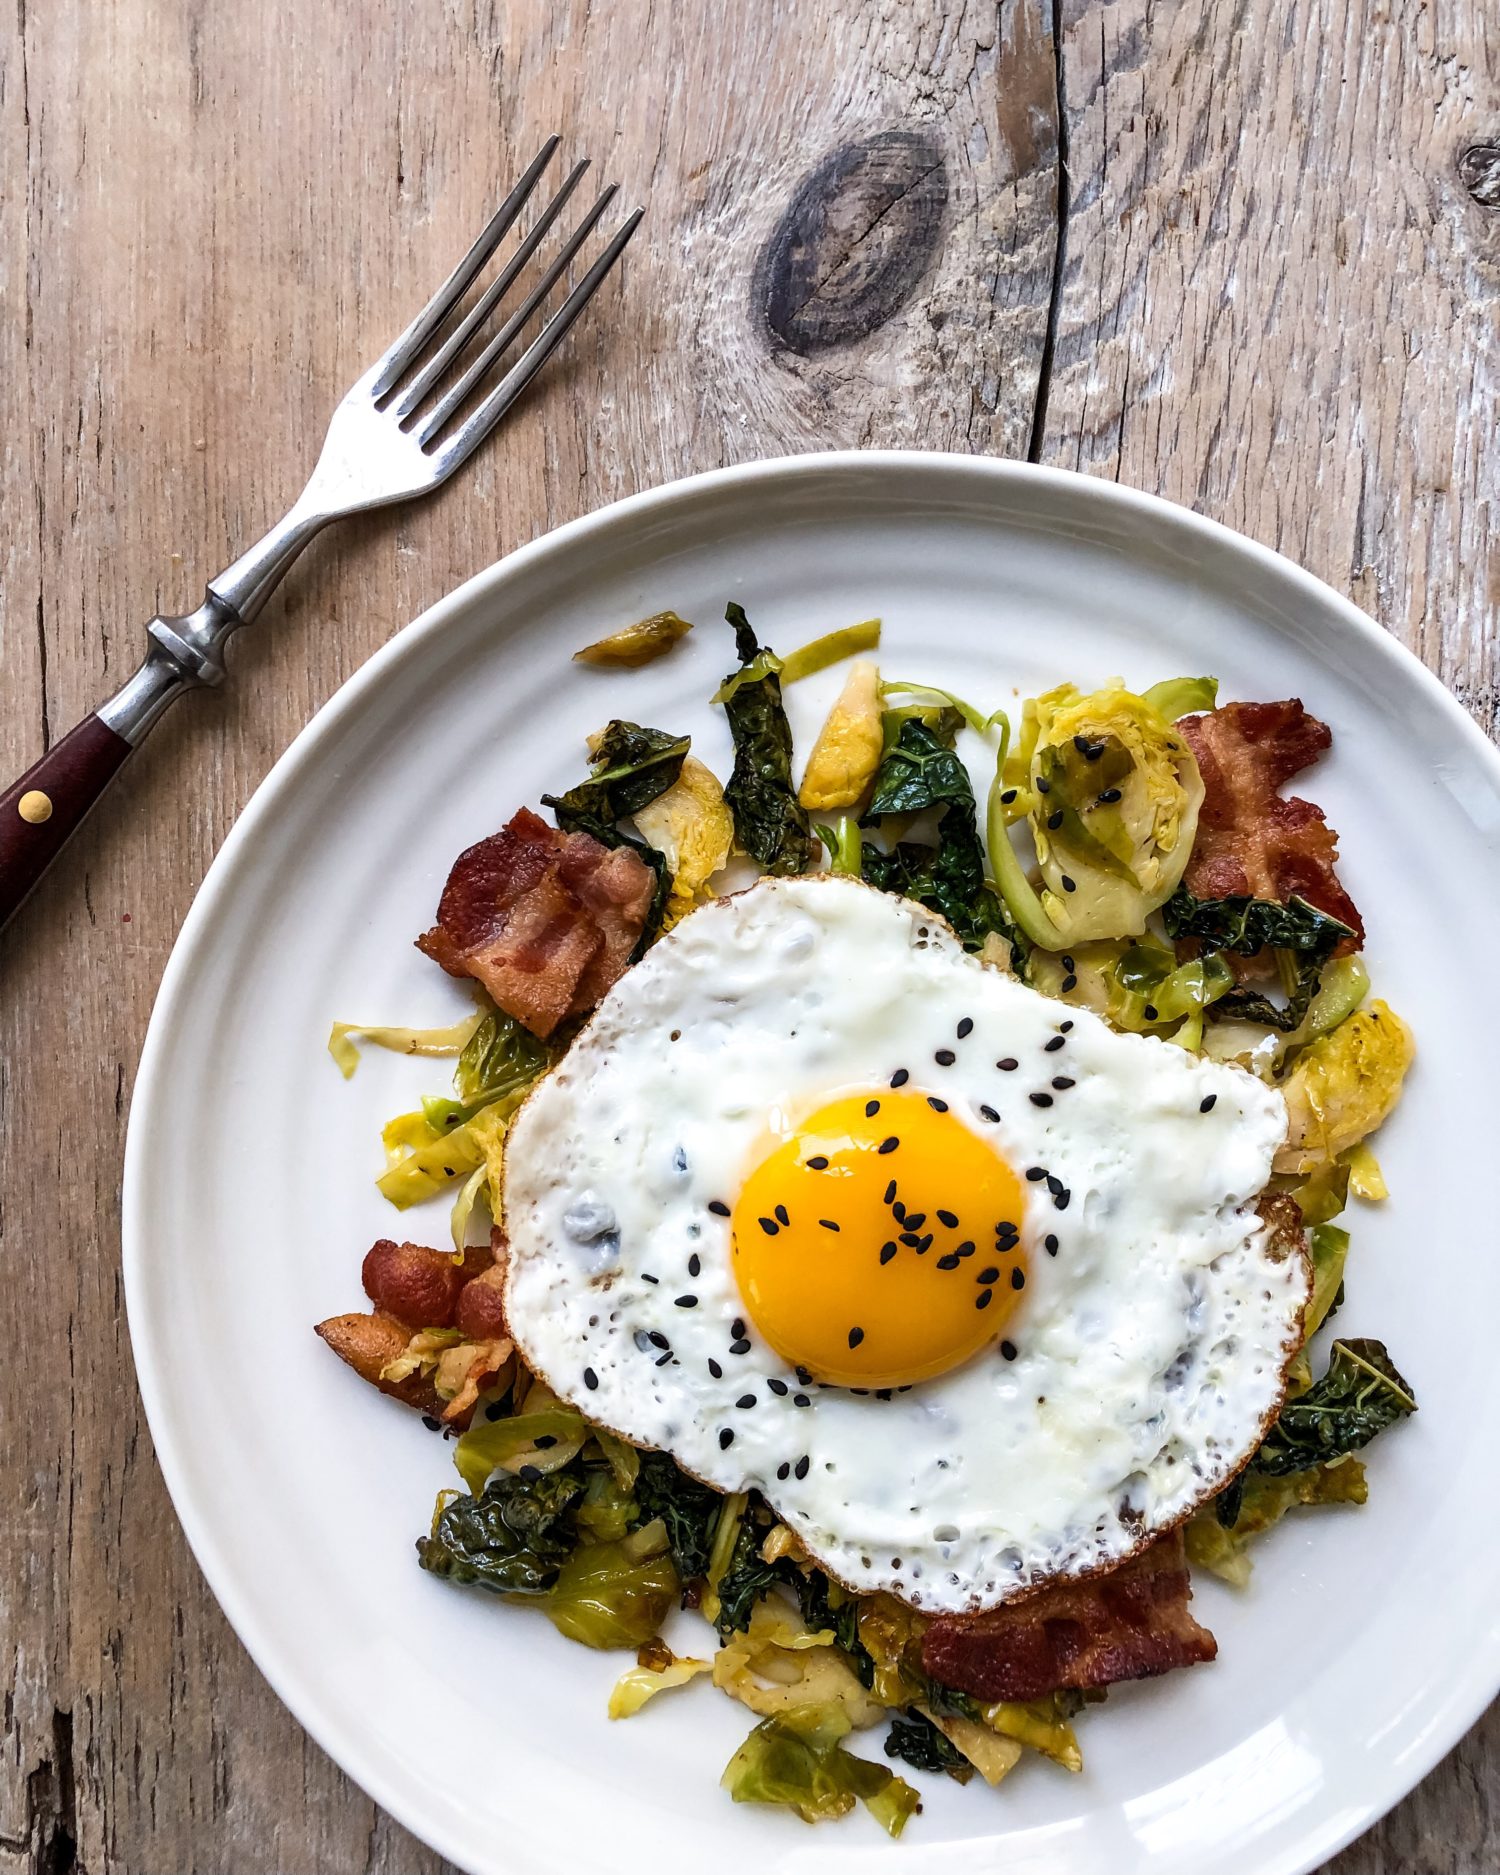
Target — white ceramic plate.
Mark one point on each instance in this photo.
(1368, 1641)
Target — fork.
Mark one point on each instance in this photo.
(416, 416)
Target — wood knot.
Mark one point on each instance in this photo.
(1479, 171)
(854, 242)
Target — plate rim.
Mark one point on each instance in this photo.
(1466, 1701)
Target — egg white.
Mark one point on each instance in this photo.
(1149, 1351)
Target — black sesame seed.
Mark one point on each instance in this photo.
(778, 1387)
(828, 1223)
(726, 1438)
(436, 1425)
(802, 1466)
(1057, 1041)
(966, 1248)
(924, 1244)
(687, 1302)
(914, 1220)
(737, 1327)
(544, 1441)
(1043, 786)
(715, 1369)
(1061, 1199)
(1017, 1277)
(695, 1264)
(890, 1192)
(1108, 796)
(889, 1145)
(1206, 1105)
(1036, 1173)
(887, 1251)
(1008, 1349)
(1054, 820)
(784, 1470)
(1149, 1012)
(781, 1216)
(856, 1335)
(982, 1300)
(664, 1360)
(803, 1375)
(718, 1207)
(653, 1280)
(949, 1262)
(900, 1078)
(769, 1226)
(1067, 962)
(945, 1057)
(800, 1399)
(898, 1211)
(590, 1379)
(1008, 796)
(949, 1219)
(965, 1027)
(1040, 1100)
(1008, 1066)
(742, 1346)
(989, 1274)
(1069, 984)
(1066, 1027)
(989, 1114)
(528, 1474)
(1049, 1244)
(818, 1164)
(911, 1238)
(658, 1339)
(937, 1106)
(745, 1402)
(1067, 884)
(872, 1107)
(1054, 1184)
(495, 1410)
(884, 1393)
(1062, 1083)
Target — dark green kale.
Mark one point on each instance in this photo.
(919, 1743)
(748, 1576)
(916, 774)
(1227, 1503)
(688, 1509)
(1245, 925)
(513, 1539)
(1359, 1396)
(630, 768)
(815, 1598)
(769, 821)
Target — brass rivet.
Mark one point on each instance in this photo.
(35, 807)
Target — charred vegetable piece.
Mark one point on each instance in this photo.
(634, 645)
(1307, 936)
(918, 1742)
(512, 1540)
(1359, 1396)
(769, 821)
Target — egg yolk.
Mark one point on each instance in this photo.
(879, 1244)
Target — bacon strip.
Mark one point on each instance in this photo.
(546, 921)
(1127, 1625)
(1250, 839)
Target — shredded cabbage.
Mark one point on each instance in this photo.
(691, 826)
(778, 1665)
(808, 659)
(1344, 1085)
(611, 1595)
(991, 1755)
(648, 1678)
(508, 1444)
(1176, 697)
(930, 695)
(1366, 1180)
(796, 1760)
(448, 1041)
(420, 1161)
(1265, 1502)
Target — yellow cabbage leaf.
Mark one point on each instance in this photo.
(1342, 1086)
(847, 752)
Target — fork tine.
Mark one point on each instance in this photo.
(476, 427)
(417, 391)
(452, 400)
(395, 361)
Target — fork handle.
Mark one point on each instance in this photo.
(40, 811)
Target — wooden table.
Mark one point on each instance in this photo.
(1246, 253)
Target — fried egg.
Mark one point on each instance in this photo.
(968, 1285)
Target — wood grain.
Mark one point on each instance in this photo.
(1273, 292)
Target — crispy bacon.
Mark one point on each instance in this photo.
(546, 921)
(1250, 839)
(1127, 1625)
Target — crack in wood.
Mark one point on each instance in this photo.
(1060, 250)
(49, 1835)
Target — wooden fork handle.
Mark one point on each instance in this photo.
(39, 812)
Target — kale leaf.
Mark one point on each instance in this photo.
(513, 1539)
(1245, 925)
(688, 1509)
(919, 1743)
(1359, 1396)
(630, 768)
(769, 821)
(748, 1576)
(918, 773)
(814, 1596)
